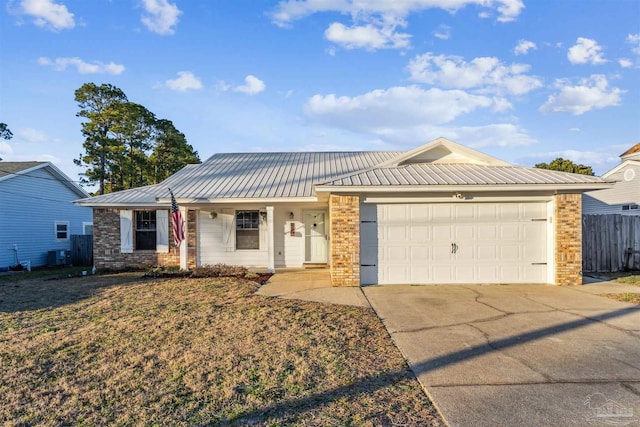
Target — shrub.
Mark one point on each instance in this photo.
(219, 270)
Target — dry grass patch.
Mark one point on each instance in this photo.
(633, 298)
(118, 350)
(633, 280)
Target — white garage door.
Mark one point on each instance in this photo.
(455, 243)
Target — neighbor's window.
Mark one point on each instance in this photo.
(62, 230)
(145, 230)
(247, 230)
(87, 228)
(629, 207)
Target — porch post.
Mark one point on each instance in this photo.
(184, 246)
(271, 263)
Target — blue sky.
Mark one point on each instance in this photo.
(525, 81)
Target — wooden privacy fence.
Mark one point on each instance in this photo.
(82, 249)
(610, 243)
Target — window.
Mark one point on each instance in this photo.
(631, 206)
(247, 230)
(145, 230)
(87, 228)
(62, 230)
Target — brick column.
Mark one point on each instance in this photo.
(568, 236)
(344, 216)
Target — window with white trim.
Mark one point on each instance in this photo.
(247, 230)
(61, 229)
(629, 207)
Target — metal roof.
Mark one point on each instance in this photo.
(251, 175)
(458, 174)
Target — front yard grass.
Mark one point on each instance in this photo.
(120, 350)
(633, 298)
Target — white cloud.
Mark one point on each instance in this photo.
(160, 16)
(97, 67)
(288, 11)
(634, 40)
(443, 32)
(184, 82)
(252, 86)
(625, 63)
(374, 23)
(586, 51)
(396, 107)
(486, 74)
(48, 14)
(589, 94)
(369, 37)
(524, 46)
(32, 135)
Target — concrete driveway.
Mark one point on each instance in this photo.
(519, 355)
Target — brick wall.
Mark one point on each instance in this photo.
(106, 244)
(568, 235)
(344, 214)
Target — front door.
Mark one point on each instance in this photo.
(315, 237)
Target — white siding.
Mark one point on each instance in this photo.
(610, 201)
(29, 207)
(215, 245)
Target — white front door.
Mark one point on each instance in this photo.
(315, 240)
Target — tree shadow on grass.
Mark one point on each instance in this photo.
(295, 408)
(39, 293)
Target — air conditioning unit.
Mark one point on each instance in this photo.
(59, 257)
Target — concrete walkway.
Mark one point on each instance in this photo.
(519, 355)
(311, 285)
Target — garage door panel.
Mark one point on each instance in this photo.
(465, 273)
(419, 213)
(487, 232)
(494, 243)
(420, 274)
(464, 233)
(420, 254)
(441, 232)
(487, 273)
(488, 252)
(420, 233)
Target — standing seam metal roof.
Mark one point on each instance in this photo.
(253, 175)
(459, 174)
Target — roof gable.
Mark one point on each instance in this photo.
(632, 153)
(9, 170)
(443, 151)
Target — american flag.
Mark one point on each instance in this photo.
(176, 221)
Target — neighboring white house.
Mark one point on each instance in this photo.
(441, 213)
(37, 214)
(624, 197)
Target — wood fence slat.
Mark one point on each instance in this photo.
(82, 249)
(606, 240)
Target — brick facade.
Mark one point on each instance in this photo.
(344, 214)
(568, 237)
(106, 244)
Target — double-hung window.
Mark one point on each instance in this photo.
(145, 230)
(62, 230)
(247, 230)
